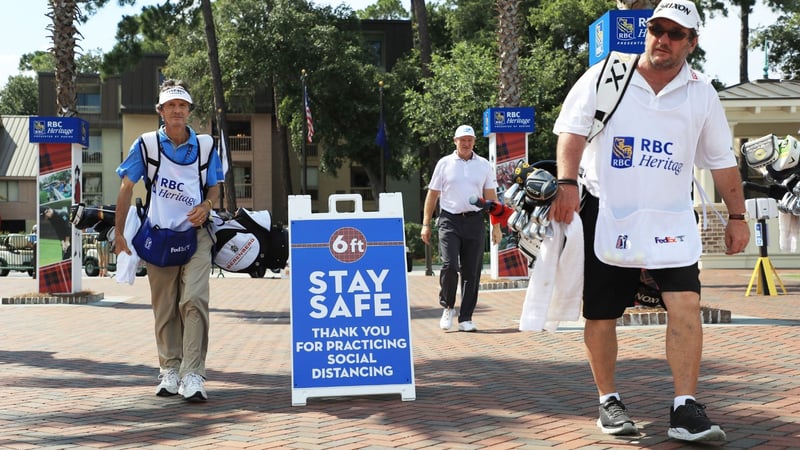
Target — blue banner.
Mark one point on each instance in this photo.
(58, 130)
(620, 30)
(350, 311)
(508, 120)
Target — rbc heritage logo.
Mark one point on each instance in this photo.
(622, 152)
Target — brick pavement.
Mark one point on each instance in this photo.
(83, 376)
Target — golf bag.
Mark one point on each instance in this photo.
(248, 242)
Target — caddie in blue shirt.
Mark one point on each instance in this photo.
(180, 199)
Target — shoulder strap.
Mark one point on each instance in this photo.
(205, 145)
(151, 155)
(150, 147)
(617, 71)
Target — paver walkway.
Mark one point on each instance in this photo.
(83, 376)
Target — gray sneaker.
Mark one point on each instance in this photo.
(614, 418)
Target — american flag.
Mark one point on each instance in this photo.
(309, 120)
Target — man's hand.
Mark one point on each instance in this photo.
(737, 235)
(199, 214)
(497, 234)
(425, 234)
(566, 203)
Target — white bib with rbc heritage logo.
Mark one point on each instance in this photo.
(175, 192)
(644, 161)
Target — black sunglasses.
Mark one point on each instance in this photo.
(674, 35)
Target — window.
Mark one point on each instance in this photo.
(244, 186)
(311, 150)
(374, 44)
(9, 191)
(88, 98)
(312, 182)
(359, 183)
(94, 154)
(93, 188)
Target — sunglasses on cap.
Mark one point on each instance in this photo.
(674, 35)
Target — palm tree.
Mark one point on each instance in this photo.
(508, 37)
(64, 14)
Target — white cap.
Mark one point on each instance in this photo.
(682, 12)
(464, 130)
(173, 93)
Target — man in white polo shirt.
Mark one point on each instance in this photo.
(638, 212)
(457, 177)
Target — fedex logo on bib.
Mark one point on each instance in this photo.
(650, 154)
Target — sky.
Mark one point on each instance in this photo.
(23, 30)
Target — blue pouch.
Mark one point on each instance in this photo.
(164, 247)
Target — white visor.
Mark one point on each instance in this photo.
(174, 93)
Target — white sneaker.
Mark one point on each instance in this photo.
(447, 319)
(467, 326)
(192, 388)
(169, 383)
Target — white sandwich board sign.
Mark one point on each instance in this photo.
(350, 315)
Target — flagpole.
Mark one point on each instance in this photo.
(382, 124)
(303, 184)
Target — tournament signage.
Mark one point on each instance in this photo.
(59, 258)
(508, 120)
(350, 316)
(507, 130)
(54, 130)
(620, 30)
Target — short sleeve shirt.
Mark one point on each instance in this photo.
(457, 180)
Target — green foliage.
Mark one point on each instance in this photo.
(783, 38)
(38, 61)
(41, 61)
(463, 84)
(90, 61)
(384, 10)
(20, 96)
(415, 244)
(148, 32)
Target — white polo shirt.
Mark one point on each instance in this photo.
(457, 180)
(689, 102)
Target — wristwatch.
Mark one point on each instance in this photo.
(745, 216)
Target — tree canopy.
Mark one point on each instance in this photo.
(264, 45)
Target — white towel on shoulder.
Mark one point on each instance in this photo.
(555, 289)
(789, 228)
(126, 264)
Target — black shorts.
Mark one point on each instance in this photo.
(607, 289)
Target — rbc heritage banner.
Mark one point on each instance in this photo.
(59, 253)
(350, 315)
(621, 30)
(507, 129)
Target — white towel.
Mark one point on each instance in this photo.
(555, 289)
(789, 228)
(126, 264)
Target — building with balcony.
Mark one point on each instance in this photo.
(121, 108)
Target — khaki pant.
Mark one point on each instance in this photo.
(180, 296)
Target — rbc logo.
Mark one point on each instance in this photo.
(622, 152)
(625, 29)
